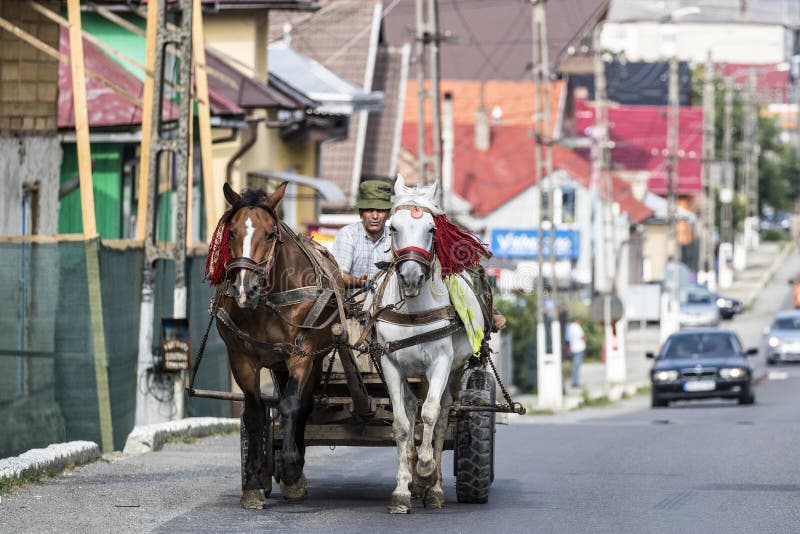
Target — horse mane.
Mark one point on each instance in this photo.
(250, 198)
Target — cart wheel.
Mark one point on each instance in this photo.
(474, 454)
(266, 475)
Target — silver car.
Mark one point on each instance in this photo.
(698, 307)
(782, 338)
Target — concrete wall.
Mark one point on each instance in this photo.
(27, 159)
(731, 43)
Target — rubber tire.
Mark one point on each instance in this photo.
(770, 361)
(266, 479)
(657, 402)
(747, 397)
(474, 454)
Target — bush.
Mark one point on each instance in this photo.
(775, 235)
(520, 312)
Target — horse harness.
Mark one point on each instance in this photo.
(323, 294)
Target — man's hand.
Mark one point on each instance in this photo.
(354, 281)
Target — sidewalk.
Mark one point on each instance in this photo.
(761, 266)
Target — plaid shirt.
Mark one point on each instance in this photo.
(355, 252)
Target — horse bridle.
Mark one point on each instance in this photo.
(263, 269)
(411, 253)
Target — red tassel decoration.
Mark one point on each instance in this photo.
(456, 248)
(219, 253)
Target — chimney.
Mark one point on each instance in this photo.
(482, 128)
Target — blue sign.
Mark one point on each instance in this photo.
(525, 243)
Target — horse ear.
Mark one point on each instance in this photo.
(430, 191)
(399, 184)
(230, 195)
(277, 196)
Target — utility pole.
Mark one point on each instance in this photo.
(749, 189)
(428, 39)
(548, 376)
(670, 300)
(605, 246)
(707, 243)
(726, 192)
(173, 143)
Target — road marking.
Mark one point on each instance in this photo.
(777, 375)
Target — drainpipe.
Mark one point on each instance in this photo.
(252, 129)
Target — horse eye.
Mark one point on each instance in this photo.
(392, 229)
(432, 230)
(231, 234)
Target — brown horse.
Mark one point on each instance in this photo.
(275, 304)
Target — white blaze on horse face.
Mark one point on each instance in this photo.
(247, 246)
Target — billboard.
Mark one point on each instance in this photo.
(510, 243)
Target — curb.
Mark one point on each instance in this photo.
(148, 438)
(55, 457)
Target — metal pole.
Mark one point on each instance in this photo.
(433, 24)
(421, 38)
(707, 243)
(671, 160)
(726, 214)
(549, 378)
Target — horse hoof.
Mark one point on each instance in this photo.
(400, 504)
(297, 491)
(434, 498)
(253, 499)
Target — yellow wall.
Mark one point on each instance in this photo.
(243, 36)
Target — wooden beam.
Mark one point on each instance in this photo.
(113, 17)
(147, 114)
(210, 191)
(61, 21)
(89, 224)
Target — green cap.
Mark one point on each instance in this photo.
(374, 195)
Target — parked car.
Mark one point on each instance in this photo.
(728, 306)
(701, 364)
(698, 307)
(782, 338)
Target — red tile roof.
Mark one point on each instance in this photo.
(640, 134)
(490, 179)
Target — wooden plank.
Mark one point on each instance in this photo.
(210, 192)
(89, 225)
(147, 115)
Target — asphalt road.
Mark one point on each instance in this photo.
(710, 466)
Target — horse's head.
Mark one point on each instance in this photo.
(412, 234)
(254, 233)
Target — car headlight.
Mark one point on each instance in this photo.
(774, 341)
(665, 376)
(732, 372)
(724, 303)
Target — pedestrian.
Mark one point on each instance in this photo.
(576, 342)
(359, 246)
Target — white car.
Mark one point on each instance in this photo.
(698, 308)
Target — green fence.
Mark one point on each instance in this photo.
(48, 390)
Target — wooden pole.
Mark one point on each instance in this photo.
(89, 224)
(147, 113)
(210, 191)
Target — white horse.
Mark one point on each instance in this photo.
(415, 287)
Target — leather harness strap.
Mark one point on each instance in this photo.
(417, 318)
(433, 335)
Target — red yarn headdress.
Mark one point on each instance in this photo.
(456, 248)
(219, 253)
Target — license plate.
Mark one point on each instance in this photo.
(700, 385)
